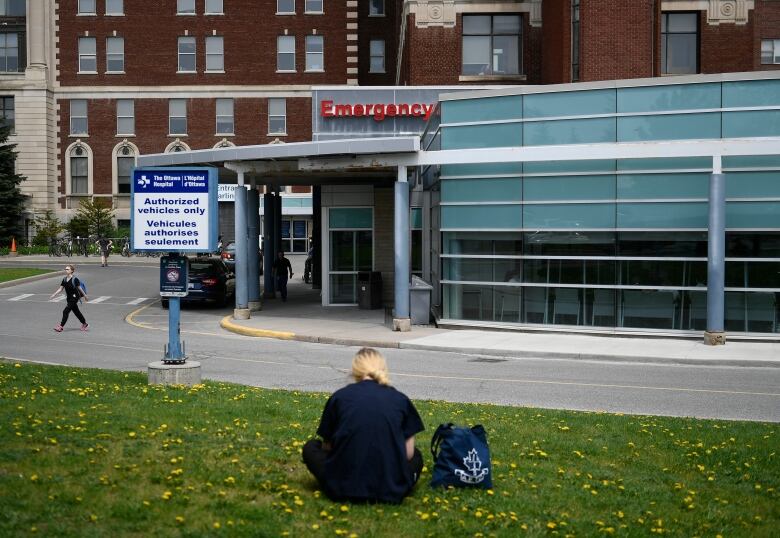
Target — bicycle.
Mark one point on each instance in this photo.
(125, 249)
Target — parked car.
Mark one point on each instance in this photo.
(209, 280)
(228, 256)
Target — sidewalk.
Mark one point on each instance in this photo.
(303, 318)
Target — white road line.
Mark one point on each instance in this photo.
(21, 297)
(58, 299)
(100, 299)
(138, 301)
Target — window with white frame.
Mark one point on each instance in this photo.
(679, 43)
(87, 55)
(125, 117)
(115, 7)
(225, 116)
(13, 8)
(286, 7)
(377, 52)
(215, 53)
(115, 54)
(185, 7)
(491, 44)
(285, 53)
(78, 116)
(376, 8)
(315, 48)
(177, 117)
(313, 6)
(125, 161)
(277, 116)
(9, 52)
(770, 51)
(214, 7)
(79, 170)
(187, 54)
(87, 7)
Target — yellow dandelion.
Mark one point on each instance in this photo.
(131, 434)
(551, 525)
(216, 525)
(344, 508)
(179, 520)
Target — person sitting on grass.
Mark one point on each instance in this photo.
(367, 452)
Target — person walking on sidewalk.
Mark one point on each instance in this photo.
(104, 244)
(367, 452)
(280, 269)
(73, 292)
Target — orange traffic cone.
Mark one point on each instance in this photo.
(13, 248)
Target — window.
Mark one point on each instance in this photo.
(9, 52)
(491, 44)
(313, 6)
(125, 161)
(285, 55)
(214, 7)
(314, 53)
(7, 112)
(13, 8)
(177, 117)
(87, 55)
(125, 117)
(215, 54)
(285, 6)
(87, 7)
(770, 51)
(377, 51)
(115, 54)
(575, 40)
(186, 55)
(225, 116)
(679, 43)
(376, 8)
(78, 116)
(185, 7)
(115, 7)
(277, 116)
(79, 171)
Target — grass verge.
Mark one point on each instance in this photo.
(14, 273)
(100, 453)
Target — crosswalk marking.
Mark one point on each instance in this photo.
(105, 299)
(22, 296)
(137, 301)
(100, 299)
(58, 298)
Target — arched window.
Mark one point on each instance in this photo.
(224, 143)
(177, 146)
(78, 169)
(124, 155)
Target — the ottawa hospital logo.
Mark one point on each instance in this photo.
(144, 181)
(473, 464)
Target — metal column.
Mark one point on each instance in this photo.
(253, 257)
(242, 296)
(401, 321)
(716, 256)
(316, 239)
(268, 244)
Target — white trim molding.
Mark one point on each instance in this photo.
(443, 13)
(718, 11)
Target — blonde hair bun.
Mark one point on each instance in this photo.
(368, 362)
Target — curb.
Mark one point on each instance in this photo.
(228, 325)
(27, 279)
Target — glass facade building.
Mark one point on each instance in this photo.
(607, 244)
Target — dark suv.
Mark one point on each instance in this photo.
(209, 280)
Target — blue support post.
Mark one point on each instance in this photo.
(174, 353)
(268, 245)
(402, 274)
(253, 257)
(716, 257)
(242, 292)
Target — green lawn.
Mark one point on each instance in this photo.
(8, 273)
(101, 453)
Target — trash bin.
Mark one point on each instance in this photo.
(420, 301)
(369, 290)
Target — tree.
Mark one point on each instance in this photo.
(11, 198)
(47, 227)
(97, 215)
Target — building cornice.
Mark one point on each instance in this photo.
(444, 13)
(718, 11)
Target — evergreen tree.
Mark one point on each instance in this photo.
(11, 198)
(48, 227)
(97, 215)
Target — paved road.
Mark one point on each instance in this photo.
(26, 333)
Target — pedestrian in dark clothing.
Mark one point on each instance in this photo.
(367, 452)
(104, 244)
(73, 292)
(280, 269)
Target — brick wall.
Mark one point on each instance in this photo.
(387, 28)
(737, 56)
(384, 246)
(556, 41)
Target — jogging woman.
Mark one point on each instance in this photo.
(73, 293)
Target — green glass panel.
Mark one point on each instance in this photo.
(351, 217)
(481, 243)
(569, 188)
(668, 127)
(481, 216)
(749, 124)
(477, 170)
(752, 184)
(486, 109)
(648, 186)
(416, 218)
(560, 167)
(296, 202)
(752, 161)
(662, 215)
(541, 105)
(677, 97)
(569, 216)
(545, 133)
(751, 93)
(482, 190)
(676, 163)
(753, 215)
(482, 136)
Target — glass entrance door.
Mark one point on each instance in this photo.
(351, 248)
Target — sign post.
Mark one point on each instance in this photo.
(174, 210)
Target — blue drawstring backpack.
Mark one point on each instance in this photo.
(461, 457)
(81, 286)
